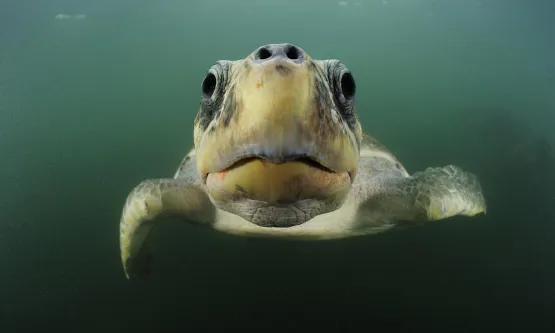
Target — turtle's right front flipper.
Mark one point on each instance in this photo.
(150, 200)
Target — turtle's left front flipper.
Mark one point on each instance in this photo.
(150, 200)
(430, 195)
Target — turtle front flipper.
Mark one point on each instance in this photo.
(430, 195)
(149, 201)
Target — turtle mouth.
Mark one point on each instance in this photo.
(277, 181)
(309, 161)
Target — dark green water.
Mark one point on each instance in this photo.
(89, 108)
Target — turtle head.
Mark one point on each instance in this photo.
(277, 137)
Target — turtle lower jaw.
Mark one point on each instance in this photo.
(276, 185)
(278, 192)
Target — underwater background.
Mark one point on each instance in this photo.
(96, 96)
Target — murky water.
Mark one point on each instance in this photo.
(96, 96)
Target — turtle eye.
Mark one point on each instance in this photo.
(209, 85)
(343, 87)
(348, 86)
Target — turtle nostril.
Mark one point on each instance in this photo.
(263, 53)
(282, 52)
(292, 52)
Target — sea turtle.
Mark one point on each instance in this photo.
(279, 152)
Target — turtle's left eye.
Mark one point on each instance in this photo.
(347, 86)
(342, 85)
(209, 85)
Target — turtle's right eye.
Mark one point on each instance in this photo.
(209, 85)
